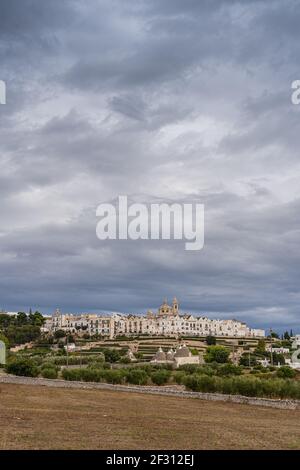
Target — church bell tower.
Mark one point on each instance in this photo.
(175, 306)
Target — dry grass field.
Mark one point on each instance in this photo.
(35, 417)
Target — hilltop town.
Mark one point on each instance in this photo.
(168, 321)
(167, 353)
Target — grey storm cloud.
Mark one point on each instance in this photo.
(162, 100)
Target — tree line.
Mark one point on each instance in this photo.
(21, 328)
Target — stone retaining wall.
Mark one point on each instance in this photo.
(154, 390)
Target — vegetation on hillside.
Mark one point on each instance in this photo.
(108, 361)
(21, 328)
(211, 377)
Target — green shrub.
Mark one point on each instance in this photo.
(162, 366)
(247, 386)
(160, 377)
(85, 375)
(95, 365)
(227, 386)
(111, 355)
(261, 346)
(37, 359)
(139, 355)
(242, 385)
(265, 370)
(189, 368)
(49, 365)
(21, 334)
(115, 376)
(59, 334)
(286, 372)
(201, 383)
(211, 340)
(200, 369)
(179, 377)
(277, 358)
(137, 377)
(125, 360)
(194, 351)
(22, 367)
(244, 360)
(72, 374)
(208, 370)
(148, 368)
(217, 354)
(4, 339)
(106, 365)
(49, 373)
(229, 369)
(289, 388)
(91, 375)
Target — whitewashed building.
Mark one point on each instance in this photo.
(80, 324)
(166, 322)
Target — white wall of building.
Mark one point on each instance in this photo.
(117, 324)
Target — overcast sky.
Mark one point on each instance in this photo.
(160, 100)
